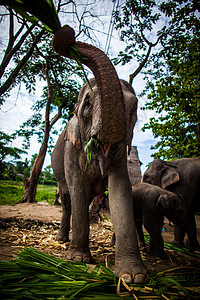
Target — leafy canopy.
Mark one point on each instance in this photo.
(64, 84)
(164, 38)
(6, 148)
(176, 98)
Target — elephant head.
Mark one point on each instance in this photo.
(161, 173)
(172, 206)
(80, 128)
(108, 114)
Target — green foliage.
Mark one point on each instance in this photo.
(6, 149)
(171, 69)
(144, 24)
(37, 275)
(63, 95)
(47, 177)
(175, 98)
(35, 11)
(8, 152)
(45, 193)
(11, 192)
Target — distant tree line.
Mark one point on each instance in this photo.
(15, 169)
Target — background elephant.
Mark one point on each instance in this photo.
(151, 203)
(181, 176)
(81, 180)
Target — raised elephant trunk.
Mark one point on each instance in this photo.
(108, 120)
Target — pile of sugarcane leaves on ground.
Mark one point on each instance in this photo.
(36, 275)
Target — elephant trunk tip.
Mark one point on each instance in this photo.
(63, 39)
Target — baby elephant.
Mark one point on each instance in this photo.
(151, 203)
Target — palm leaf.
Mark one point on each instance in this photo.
(36, 275)
(36, 10)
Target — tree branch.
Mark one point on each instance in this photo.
(150, 44)
(10, 51)
(133, 75)
(57, 117)
(15, 72)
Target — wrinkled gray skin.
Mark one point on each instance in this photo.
(181, 176)
(151, 203)
(81, 181)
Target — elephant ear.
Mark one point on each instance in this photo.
(72, 133)
(169, 175)
(162, 203)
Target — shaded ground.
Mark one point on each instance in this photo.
(36, 225)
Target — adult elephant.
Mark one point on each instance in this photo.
(105, 118)
(181, 176)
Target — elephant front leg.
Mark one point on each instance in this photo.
(128, 262)
(79, 191)
(179, 234)
(153, 223)
(79, 246)
(156, 246)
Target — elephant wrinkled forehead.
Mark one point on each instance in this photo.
(85, 91)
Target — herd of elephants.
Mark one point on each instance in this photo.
(104, 116)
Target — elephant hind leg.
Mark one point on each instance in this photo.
(140, 233)
(156, 245)
(179, 234)
(63, 234)
(192, 242)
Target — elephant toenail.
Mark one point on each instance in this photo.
(139, 278)
(127, 278)
(77, 258)
(86, 259)
(69, 257)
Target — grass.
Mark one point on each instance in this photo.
(11, 192)
(36, 275)
(46, 192)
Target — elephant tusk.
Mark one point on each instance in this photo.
(105, 149)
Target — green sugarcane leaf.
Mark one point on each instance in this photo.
(33, 10)
(172, 281)
(88, 150)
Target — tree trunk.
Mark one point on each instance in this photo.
(30, 187)
(30, 184)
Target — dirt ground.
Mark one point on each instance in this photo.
(36, 225)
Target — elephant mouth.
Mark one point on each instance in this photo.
(105, 149)
(94, 145)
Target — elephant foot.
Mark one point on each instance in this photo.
(178, 243)
(62, 237)
(139, 278)
(79, 255)
(194, 247)
(131, 272)
(160, 254)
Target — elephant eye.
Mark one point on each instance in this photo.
(87, 108)
(87, 102)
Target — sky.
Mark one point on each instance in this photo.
(17, 107)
